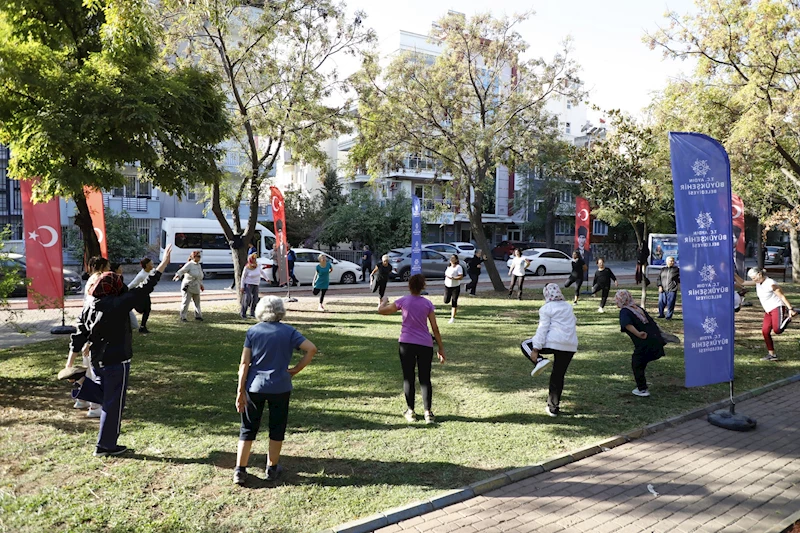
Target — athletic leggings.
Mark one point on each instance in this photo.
(452, 292)
(416, 355)
(578, 281)
(772, 323)
(603, 294)
(145, 310)
(514, 279)
(321, 293)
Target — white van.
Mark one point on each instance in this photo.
(205, 234)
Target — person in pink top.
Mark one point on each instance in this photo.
(416, 344)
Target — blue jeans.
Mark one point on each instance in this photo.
(110, 392)
(666, 299)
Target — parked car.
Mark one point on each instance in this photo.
(505, 249)
(465, 249)
(72, 280)
(308, 259)
(546, 261)
(433, 263)
(443, 248)
(774, 255)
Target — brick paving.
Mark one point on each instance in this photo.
(707, 479)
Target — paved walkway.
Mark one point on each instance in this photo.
(706, 479)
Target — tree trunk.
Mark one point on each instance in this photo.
(476, 223)
(238, 254)
(759, 245)
(83, 219)
(794, 244)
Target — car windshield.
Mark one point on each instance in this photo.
(467, 247)
(773, 248)
(394, 253)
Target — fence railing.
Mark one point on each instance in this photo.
(354, 256)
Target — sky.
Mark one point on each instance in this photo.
(617, 68)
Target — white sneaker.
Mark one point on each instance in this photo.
(320, 308)
(94, 413)
(549, 412)
(539, 368)
(451, 320)
(601, 310)
(81, 404)
(410, 415)
(643, 393)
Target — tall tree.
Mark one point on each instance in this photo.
(84, 93)
(477, 105)
(746, 82)
(277, 62)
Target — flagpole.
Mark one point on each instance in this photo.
(63, 329)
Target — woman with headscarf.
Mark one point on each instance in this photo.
(557, 334)
(251, 279)
(648, 345)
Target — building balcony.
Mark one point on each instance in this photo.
(136, 206)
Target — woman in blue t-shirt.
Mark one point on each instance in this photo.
(322, 279)
(266, 378)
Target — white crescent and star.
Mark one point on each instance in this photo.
(34, 236)
(737, 211)
(583, 215)
(276, 203)
(99, 235)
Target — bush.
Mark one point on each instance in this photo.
(124, 244)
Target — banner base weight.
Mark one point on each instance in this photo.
(63, 330)
(725, 419)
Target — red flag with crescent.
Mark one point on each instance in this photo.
(279, 219)
(737, 212)
(94, 201)
(583, 231)
(43, 255)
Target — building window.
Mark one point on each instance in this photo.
(564, 227)
(191, 194)
(599, 228)
(133, 188)
(537, 205)
(566, 197)
(569, 104)
(568, 127)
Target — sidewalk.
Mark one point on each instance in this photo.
(706, 479)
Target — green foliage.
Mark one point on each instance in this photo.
(331, 191)
(743, 92)
(124, 244)
(623, 178)
(303, 215)
(468, 117)
(9, 279)
(362, 219)
(84, 92)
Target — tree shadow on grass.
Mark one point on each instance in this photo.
(337, 472)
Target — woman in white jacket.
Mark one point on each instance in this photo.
(557, 334)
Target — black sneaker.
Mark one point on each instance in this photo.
(72, 373)
(184, 320)
(143, 329)
(239, 476)
(274, 472)
(198, 318)
(103, 452)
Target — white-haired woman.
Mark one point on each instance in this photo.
(557, 334)
(265, 378)
(322, 280)
(381, 274)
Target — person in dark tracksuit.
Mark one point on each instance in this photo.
(106, 325)
(602, 283)
(382, 273)
(668, 280)
(576, 276)
(474, 271)
(648, 345)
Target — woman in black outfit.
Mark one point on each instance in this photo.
(602, 282)
(381, 272)
(648, 344)
(474, 270)
(576, 276)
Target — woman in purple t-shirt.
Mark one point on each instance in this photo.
(416, 345)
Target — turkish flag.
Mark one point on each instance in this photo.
(583, 231)
(94, 200)
(279, 218)
(737, 213)
(43, 256)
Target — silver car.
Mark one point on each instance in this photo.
(433, 263)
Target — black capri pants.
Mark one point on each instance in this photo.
(278, 413)
(452, 293)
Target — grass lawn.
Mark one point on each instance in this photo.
(349, 452)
